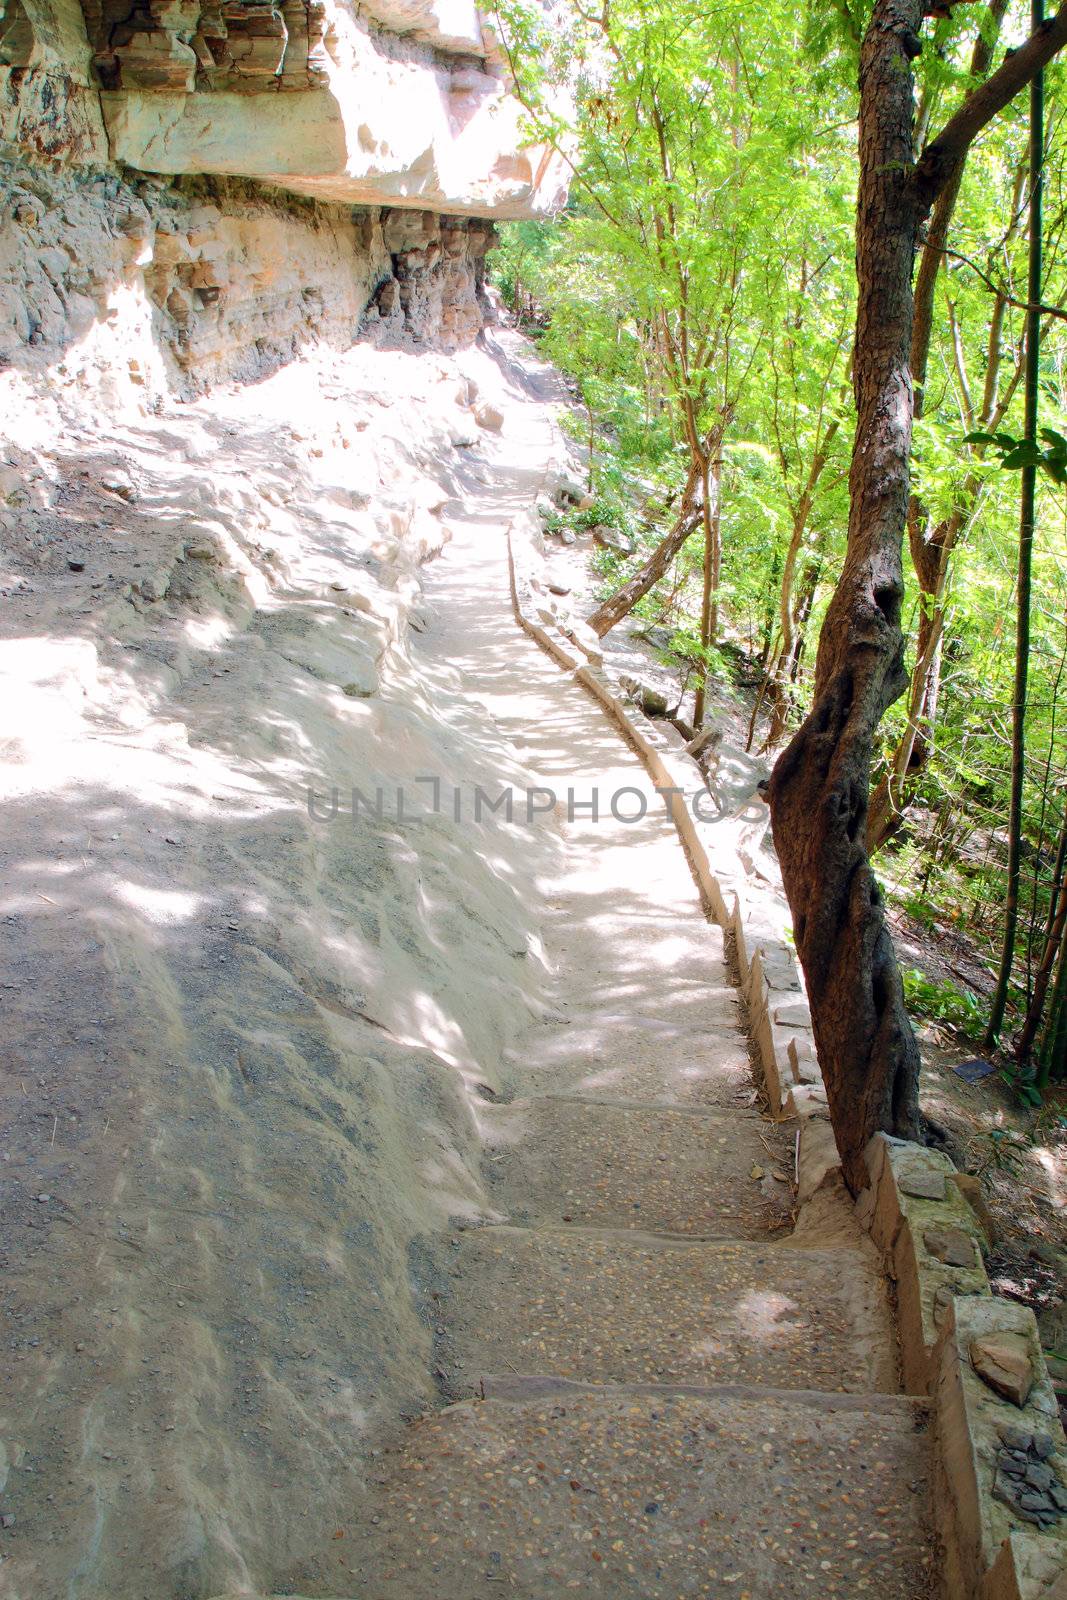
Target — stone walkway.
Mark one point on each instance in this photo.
(656, 1390)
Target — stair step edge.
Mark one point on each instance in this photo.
(519, 1388)
(784, 1243)
(748, 1114)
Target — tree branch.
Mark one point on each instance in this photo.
(999, 290)
(943, 155)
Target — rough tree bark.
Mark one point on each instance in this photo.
(819, 788)
(932, 545)
(932, 549)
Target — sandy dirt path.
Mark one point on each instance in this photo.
(654, 1387)
(312, 1127)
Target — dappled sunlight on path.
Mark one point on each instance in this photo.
(655, 1385)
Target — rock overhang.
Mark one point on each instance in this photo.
(389, 102)
(352, 159)
(399, 148)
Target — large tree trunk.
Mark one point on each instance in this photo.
(932, 544)
(819, 788)
(910, 757)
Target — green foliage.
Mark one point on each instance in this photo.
(1049, 1125)
(938, 1001)
(702, 274)
(1016, 453)
(1022, 1083)
(686, 644)
(921, 910)
(999, 1149)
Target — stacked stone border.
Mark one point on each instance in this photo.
(1000, 1493)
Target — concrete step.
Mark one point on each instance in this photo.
(664, 1039)
(619, 1306)
(663, 1169)
(639, 1494)
(650, 1011)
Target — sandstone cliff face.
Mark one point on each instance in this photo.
(195, 190)
(135, 289)
(402, 101)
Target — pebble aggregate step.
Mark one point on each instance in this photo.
(631, 1165)
(751, 1494)
(684, 1045)
(614, 1306)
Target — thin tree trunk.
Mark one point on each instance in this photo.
(802, 611)
(757, 704)
(819, 788)
(890, 797)
(716, 554)
(1054, 1043)
(1053, 940)
(1059, 867)
(622, 602)
(778, 680)
(1027, 507)
(711, 481)
(768, 605)
(592, 445)
(787, 664)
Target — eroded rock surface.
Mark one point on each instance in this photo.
(107, 282)
(247, 1035)
(403, 104)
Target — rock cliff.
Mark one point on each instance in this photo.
(199, 188)
(404, 103)
(135, 287)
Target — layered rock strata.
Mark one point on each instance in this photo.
(195, 190)
(400, 103)
(144, 286)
